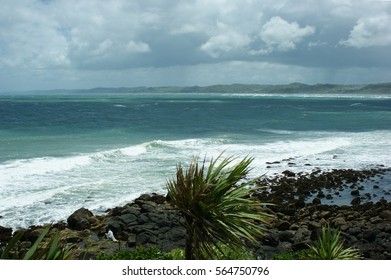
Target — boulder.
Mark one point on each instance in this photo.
(131, 240)
(338, 222)
(116, 224)
(286, 236)
(271, 239)
(369, 235)
(355, 192)
(356, 201)
(128, 219)
(283, 225)
(313, 225)
(289, 173)
(316, 201)
(5, 234)
(354, 231)
(300, 246)
(79, 220)
(315, 234)
(375, 220)
(385, 215)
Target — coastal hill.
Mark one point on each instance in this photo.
(380, 88)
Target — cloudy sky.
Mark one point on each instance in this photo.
(46, 44)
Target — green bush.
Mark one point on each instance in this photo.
(154, 253)
(176, 254)
(329, 246)
(139, 253)
(222, 252)
(53, 250)
(298, 255)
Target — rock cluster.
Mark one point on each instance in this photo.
(148, 221)
(151, 221)
(366, 227)
(297, 188)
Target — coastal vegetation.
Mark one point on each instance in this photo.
(329, 246)
(154, 253)
(216, 205)
(53, 249)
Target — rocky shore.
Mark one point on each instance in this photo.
(299, 211)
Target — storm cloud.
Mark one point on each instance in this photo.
(81, 44)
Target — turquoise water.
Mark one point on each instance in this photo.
(62, 152)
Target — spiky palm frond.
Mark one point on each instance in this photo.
(53, 250)
(215, 205)
(329, 246)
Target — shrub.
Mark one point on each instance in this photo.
(216, 205)
(329, 246)
(299, 255)
(154, 253)
(139, 253)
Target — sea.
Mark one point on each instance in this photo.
(61, 152)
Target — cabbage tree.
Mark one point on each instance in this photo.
(216, 204)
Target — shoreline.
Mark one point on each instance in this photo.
(150, 220)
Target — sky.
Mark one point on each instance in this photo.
(77, 44)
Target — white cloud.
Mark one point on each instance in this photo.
(28, 40)
(374, 31)
(102, 48)
(282, 35)
(226, 42)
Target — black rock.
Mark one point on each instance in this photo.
(320, 194)
(271, 239)
(300, 246)
(79, 220)
(285, 236)
(288, 173)
(356, 201)
(369, 235)
(284, 225)
(300, 203)
(355, 192)
(128, 219)
(315, 234)
(316, 201)
(5, 234)
(143, 218)
(355, 231)
(116, 225)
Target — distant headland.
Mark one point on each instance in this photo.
(383, 88)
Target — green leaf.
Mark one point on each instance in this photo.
(216, 204)
(30, 253)
(10, 245)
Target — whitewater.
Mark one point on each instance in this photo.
(61, 152)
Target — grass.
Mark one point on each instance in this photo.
(154, 253)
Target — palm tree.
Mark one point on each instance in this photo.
(216, 205)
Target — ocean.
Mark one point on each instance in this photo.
(61, 152)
